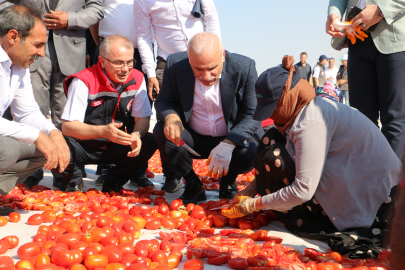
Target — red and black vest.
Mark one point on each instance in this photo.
(105, 104)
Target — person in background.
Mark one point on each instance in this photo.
(65, 54)
(116, 14)
(377, 64)
(173, 24)
(28, 142)
(207, 100)
(343, 79)
(95, 128)
(331, 71)
(303, 67)
(319, 71)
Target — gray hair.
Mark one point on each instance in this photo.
(20, 18)
(202, 41)
(105, 44)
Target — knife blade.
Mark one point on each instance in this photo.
(221, 207)
(188, 148)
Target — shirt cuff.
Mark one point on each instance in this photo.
(30, 135)
(336, 14)
(47, 128)
(151, 73)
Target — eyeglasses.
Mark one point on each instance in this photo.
(121, 64)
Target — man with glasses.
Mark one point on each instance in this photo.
(106, 117)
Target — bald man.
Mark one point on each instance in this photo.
(207, 102)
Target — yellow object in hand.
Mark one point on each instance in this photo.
(234, 212)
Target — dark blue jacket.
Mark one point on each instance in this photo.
(237, 87)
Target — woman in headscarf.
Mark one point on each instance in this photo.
(324, 169)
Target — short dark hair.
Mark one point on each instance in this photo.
(20, 18)
(332, 59)
(304, 53)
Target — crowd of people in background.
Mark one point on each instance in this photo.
(92, 64)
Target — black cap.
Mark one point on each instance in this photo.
(269, 88)
(323, 57)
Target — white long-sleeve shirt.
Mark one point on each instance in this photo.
(16, 92)
(173, 25)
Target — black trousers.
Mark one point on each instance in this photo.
(113, 154)
(377, 89)
(182, 161)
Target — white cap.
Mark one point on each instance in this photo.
(344, 57)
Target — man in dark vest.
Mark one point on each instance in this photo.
(319, 71)
(106, 117)
(343, 79)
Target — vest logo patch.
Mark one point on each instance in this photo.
(97, 102)
(129, 106)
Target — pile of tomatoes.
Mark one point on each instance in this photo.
(201, 169)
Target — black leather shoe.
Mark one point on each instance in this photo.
(84, 173)
(193, 193)
(141, 180)
(31, 181)
(59, 183)
(100, 180)
(5, 211)
(109, 186)
(233, 187)
(73, 186)
(171, 185)
(227, 194)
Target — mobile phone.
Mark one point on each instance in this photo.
(353, 12)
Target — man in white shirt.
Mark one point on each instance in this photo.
(173, 24)
(30, 141)
(103, 102)
(331, 71)
(207, 101)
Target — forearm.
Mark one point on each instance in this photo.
(142, 125)
(82, 131)
(316, 80)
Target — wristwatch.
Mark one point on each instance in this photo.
(139, 134)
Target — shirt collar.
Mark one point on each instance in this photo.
(116, 88)
(4, 57)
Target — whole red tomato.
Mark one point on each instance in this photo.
(3, 246)
(42, 259)
(3, 221)
(28, 250)
(35, 219)
(126, 248)
(69, 239)
(14, 217)
(153, 224)
(159, 256)
(48, 216)
(138, 266)
(6, 262)
(245, 225)
(220, 221)
(96, 261)
(109, 241)
(113, 254)
(198, 212)
(194, 264)
(238, 263)
(12, 241)
(63, 258)
(39, 237)
(48, 266)
(98, 234)
(176, 204)
(163, 209)
(129, 259)
(104, 221)
(168, 223)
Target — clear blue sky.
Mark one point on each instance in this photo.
(266, 30)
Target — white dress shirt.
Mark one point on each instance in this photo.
(331, 73)
(118, 19)
(207, 116)
(16, 92)
(173, 25)
(78, 94)
(317, 72)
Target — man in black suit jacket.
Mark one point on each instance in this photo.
(212, 114)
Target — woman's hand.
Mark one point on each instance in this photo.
(250, 191)
(330, 29)
(368, 17)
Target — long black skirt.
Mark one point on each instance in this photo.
(275, 169)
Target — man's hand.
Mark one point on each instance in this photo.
(56, 20)
(330, 29)
(136, 145)
(173, 129)
(341, 81)
(116, 135)
(48, 148)
(219, 159)
(153, 83)
(250, 191)
(62, 148)
(368, 17)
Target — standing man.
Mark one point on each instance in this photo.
(331, 71)
(174, 23)
(303, 67)
(65, 54)
(29, 141)
(208, 100)
(343, 79)
(319, 71)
